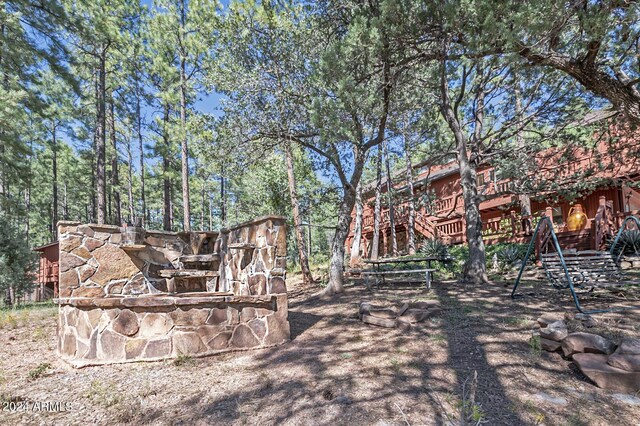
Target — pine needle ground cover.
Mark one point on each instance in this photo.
(474, 360)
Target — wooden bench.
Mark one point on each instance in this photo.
(587, 268)
(381, 274)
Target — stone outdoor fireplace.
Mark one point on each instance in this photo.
(128, 294)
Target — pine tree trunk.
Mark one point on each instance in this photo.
(357, 233)
(307, 278)
(27, 202)
(202, 206)
(166, 180)
(183, 131)
(54, 181)
(523, 199)
(93, 160)
(65, 203)
(145, 216)
(223, 199)
(210, 212)
(115, 178)
(475, 270)
(377, 210)
(132, 212)
(101, 141)
(392, 218)
(411, 227)
(336, 268)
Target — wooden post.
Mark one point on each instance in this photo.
(384, 242)
(512, 216)
(599, 223)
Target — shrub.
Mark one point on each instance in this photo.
(452, 255)
(184, 360)
(435, 247)
(508, 254)
(39, 370)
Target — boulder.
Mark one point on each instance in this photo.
(426, 304)
(404, 326)
(366, 307)
(383, 313)
(586, 343)
(595, 367)
(587, 320)
(547, 319)
(402, 309)
(414, 315)
(382, 322)
(549, 345)
(555, 331)
(627, 356)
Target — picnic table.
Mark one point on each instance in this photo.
(394, 263)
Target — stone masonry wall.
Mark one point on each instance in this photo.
(125, 330)
(254, 257)
(93, 263)
(114, 306)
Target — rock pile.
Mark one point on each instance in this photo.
(610, 367)
(401, 316)
(630, 262)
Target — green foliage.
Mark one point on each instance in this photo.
(17, 262)
(507, 254)
(184, 360)
(511, 254)
(39, 370)
(333, 79)
(534, 345)
(434, 247)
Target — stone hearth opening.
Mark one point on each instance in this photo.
(130, 294)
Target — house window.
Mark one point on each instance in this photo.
(480, 179)
(492, 175)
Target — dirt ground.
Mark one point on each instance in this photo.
(336, 369)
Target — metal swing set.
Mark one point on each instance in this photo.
(572, 269)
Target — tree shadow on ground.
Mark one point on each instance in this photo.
(338, 370)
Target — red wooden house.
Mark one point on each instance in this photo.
(48, 276)
(439, 211)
